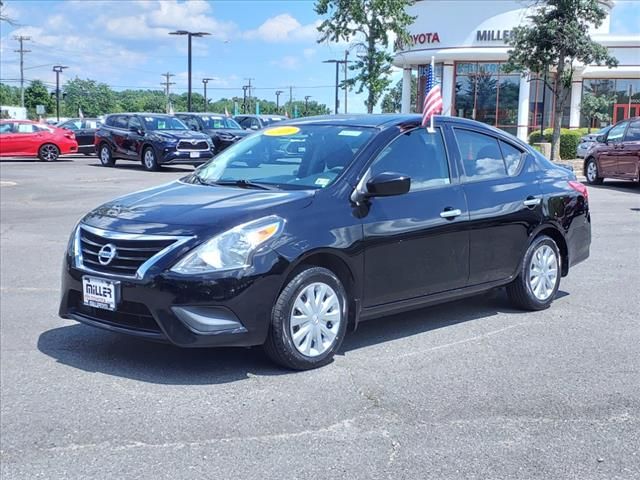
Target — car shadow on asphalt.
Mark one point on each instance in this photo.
(618, 186)
(99, 351)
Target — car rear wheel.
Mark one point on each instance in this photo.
(149, 161)
(48, 152)
(591, 172)
(106, 157)
(308, 321)
(539, 279)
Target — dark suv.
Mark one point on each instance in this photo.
(615, 154)
(223, 131)
(151, 138)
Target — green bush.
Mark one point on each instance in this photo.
(569, 140)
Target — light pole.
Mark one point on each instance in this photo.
(306, 104)
(205, 81)
(338, 63)
(58, 69)
(189, 35)
(278, 93)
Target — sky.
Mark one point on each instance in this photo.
(125, 44)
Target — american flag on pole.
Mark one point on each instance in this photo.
(432, 103)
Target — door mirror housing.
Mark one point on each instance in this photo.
(253, 127)
(194, 128)
(388, 184)
(137, 130)
(601, 139)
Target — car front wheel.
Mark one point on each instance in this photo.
(591, 172)
(149, 160)
(308, 321)
(48, 152)
(539, 279)
(106, 157)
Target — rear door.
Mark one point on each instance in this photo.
(503, 192)
(119, 135)
(416, 244)
(629, 152)
(27, 139)
(135, 137)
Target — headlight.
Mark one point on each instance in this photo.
(232, 249)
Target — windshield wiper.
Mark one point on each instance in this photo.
(242, 184)
(197, 179)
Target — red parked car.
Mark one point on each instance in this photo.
(24, 138)
(615, 154)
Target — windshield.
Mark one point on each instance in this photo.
(220, 122)
(288, 157)
(162, 123)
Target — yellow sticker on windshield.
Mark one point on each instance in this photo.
(281, 131)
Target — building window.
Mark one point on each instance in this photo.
(422, 72)
(485, 93)
(624, 94)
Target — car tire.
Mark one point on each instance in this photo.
(48, 152)
(105, 156)
(591, 172)
(541, 261)
(149, 160)
(310, 310)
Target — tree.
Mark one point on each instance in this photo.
(596, 107)
(554, 41)
(369, 22)
(9, 95)
(4, 17)
(37, 94)
(92, 97)
(392, 101)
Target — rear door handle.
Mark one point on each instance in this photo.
(450, 212)
(532, 201)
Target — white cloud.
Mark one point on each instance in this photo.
(288, 62)
(309, 52)
(284, 28)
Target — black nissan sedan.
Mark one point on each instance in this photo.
(375, 215)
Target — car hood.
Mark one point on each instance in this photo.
(179, 208)
(178, 134)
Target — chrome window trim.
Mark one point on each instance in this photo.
(142, 270)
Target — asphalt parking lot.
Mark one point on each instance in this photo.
(469, 390)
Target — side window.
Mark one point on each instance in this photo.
(135, 123)
(120, 121)
(244, 122)
(417, 154)
(191, 122)
(481, 155)
(255, 123)
(512, 157)
(633, 132)
(70, 125)
(25, 128)
(6, 128)
(616, 133)
(90, 124)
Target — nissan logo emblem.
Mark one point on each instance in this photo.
(106, 254)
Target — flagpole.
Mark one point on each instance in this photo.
(433, 72)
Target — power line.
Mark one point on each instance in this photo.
(22, 51)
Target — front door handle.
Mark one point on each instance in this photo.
(450, 212)
(532, 201)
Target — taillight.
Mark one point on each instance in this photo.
(580, 188)
(70, 135)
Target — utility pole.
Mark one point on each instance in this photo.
(205, 81)
(244, 98)
(338, 63)
(306, 104)
(278, 93)
(291, 100)
(167, 84)
(58, 69)
(248, 93)
(22, 51)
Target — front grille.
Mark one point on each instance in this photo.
(188, 145)
(131, 315)
(130, 254)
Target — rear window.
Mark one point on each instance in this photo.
(485, 157)
(162, 123)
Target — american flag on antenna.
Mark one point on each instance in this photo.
(432, 103)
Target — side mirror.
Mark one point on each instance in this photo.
(137, 130)
(254, 127)
(194, 128)
(601, 138)
(388, 184)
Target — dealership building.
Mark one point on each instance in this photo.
(468, 39)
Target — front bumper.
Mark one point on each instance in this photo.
(188, 311)
(183, 157)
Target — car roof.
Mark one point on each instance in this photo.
(201, 114)
(382, 120)
(262, 115)
(12, 120)
(143, 114)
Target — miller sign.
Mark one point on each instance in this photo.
(493, 35)
(425, 38)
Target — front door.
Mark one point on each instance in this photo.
(629, 152)
(7, 139)
(415, 244)
(622, 111)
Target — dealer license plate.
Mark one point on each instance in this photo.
(100, 293)
(194, 154)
